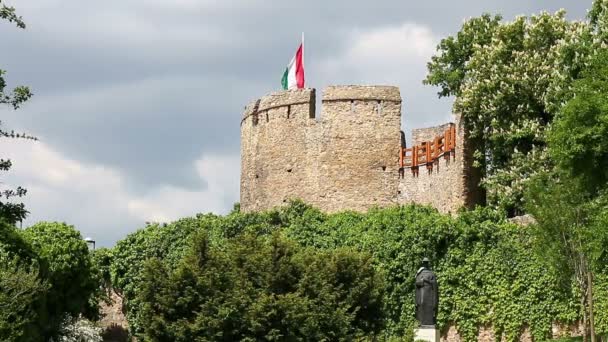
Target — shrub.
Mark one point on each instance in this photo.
(69, 271)
(487, 269)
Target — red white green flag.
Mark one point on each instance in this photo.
(293, 77)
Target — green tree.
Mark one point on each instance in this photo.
(262, 288)
(153, 241)
(565, 235)
(70, 272)
(102, 261)
(578, 139)
(12, 212)
(487, 271)
(512, 80)
(21, 291)
(570, 204)
(509, 79)
(22, 288)
(598, 16)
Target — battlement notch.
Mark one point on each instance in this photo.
(250, 109)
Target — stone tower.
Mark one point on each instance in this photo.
(349, 158)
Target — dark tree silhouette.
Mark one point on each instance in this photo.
(12, 212)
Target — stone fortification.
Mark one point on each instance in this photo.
(451, 182)
(347, 159)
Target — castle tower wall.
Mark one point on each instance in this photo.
(359, 158)
(448, 187)
(274, 149)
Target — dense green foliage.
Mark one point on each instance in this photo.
(578, 139)
(261, 288)
(21, 292)
(488, 269)
(478, 256)
(101, 259)
(22, 289)
(69, 271)
(570, 202)
(511, 79)
(46, 275)
(155, 241)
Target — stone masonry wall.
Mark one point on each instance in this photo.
(360, 139)
(347, 159)
(275, 150)
(447, 186)
(487, 333)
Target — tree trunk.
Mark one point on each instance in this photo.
(584, 320)
(590, 303)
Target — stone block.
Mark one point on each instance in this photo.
(426, 334)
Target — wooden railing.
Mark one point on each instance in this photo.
(428, 152)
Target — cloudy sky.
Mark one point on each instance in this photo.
(137, 102)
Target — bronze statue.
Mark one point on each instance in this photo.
(427, 295)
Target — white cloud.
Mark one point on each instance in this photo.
(95, 198)
(385, 54)
(169, 203)
(392, 55)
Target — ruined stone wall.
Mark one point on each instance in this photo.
(450, 185)
(487, 333)
(347, 159)
(113, 320)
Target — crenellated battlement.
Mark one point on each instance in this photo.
(302, 97)
(350, 158)
(336, 100)
(284, 104)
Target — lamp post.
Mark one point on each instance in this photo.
(90, 242)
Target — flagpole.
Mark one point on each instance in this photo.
(303, 51)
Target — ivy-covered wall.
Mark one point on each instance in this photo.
(488, 272)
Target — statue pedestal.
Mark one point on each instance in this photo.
(430, 334)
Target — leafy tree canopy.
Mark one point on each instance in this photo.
(70, 271)
(262, 288)
(570, 201)
(22, 289)
(510, 79)
(578, 139)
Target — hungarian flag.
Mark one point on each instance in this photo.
(293, 77)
